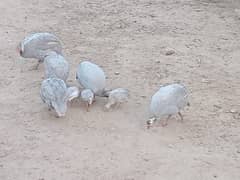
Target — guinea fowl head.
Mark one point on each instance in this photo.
(72, 93)
(87, 95)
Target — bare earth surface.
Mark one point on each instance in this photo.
(132, 38)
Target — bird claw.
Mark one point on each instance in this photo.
(105, 109)
(87, 107)
(148, 126)
(164, 124)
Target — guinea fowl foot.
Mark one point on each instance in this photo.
(117, 105)
(165, 123)
(105, 109)
(181, 116)
(37, 66)
(49, 108)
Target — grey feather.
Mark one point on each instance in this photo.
(117, 96)
(56, 66)
(55, 94)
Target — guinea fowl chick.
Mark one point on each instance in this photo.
(167, 101)
(116, 97)
(38, 44)
(55, 94)
(88, 97)
(73, 93)
(56, 66)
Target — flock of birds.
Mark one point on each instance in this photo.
(56, 93)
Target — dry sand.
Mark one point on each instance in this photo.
(132, 38)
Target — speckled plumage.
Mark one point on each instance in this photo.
(56, 66)
(55, 94)
(91, 76)
(117, 96)
(167, 101)
(38, 44)
(87, 95)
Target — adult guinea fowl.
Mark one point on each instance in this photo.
(167, 101)
(55, 94)
(38, 44)
(91, 76)
(56, 66)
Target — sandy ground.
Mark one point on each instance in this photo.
(130, 37)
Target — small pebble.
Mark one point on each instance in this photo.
(217, 106)
(236, 116)
(181, 137)
(233, 111)
(169, 52)
(205, 80)
(145, 159)
(117, 73)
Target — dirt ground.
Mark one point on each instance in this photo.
(130, 37)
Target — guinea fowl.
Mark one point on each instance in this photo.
(56, 66)
(38, 44)
(167, 101)
(55, 94)
(116, 97)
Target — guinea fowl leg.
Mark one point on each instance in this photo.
(165, 123)
(71, 103)
(49, 107)
(36, 67)
(181, 116)
(115, 105)
(87, 104)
